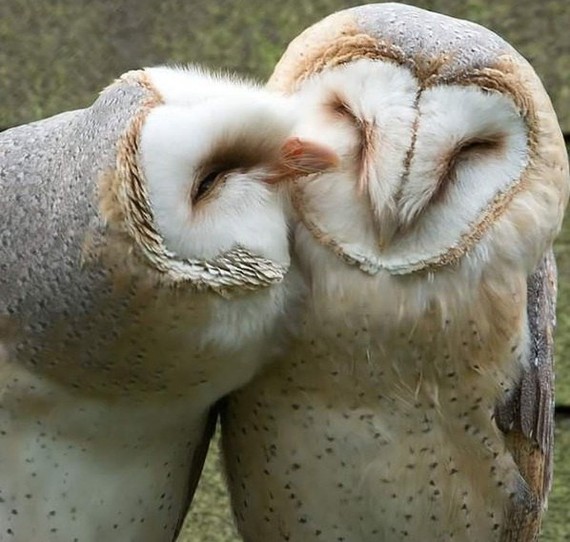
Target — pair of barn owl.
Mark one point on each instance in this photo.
(143, 247)
(146, 274)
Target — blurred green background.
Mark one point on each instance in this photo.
(56, 55)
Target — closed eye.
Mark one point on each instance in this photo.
(475, 148)
(207, 184)
(418, 198)
(480, 146)
(337, 105)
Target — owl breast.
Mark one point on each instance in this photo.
(390, 417)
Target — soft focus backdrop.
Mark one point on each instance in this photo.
(56, 55)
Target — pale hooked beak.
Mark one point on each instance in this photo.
(300, 157)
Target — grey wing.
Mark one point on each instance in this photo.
(527, 417)
(49, 208)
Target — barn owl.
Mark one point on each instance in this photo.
(415, 402)
(143, 247)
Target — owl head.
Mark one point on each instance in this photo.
(451, 155)
(201, 168)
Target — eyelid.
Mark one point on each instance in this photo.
(212, 179)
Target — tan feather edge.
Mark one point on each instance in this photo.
(236, 269)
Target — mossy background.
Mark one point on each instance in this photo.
(55, 55)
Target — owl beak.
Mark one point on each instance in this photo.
(299, 157)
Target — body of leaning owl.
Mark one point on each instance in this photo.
(378, 424)
(142, 250)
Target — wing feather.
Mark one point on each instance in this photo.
(527, 416)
